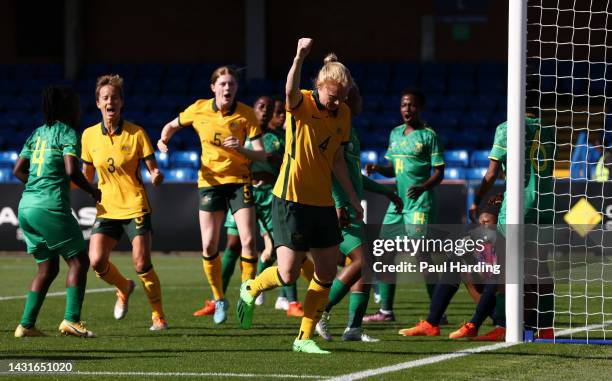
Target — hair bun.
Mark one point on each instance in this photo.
(331, 57)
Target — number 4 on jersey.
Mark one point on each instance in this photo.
(38, 157)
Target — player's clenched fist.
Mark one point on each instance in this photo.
(303, 47)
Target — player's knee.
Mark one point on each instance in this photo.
(49, 273)
(233, 243)
(288, 276)
(326, 275)
(98, 263)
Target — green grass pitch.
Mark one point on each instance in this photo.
(196, 345)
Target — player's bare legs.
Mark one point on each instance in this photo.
(210, 228)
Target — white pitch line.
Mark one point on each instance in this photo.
(173, 374)
(59, 293)
(450, 356)
(571, 331)
(419, 362)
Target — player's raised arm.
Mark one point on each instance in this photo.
(292, 88)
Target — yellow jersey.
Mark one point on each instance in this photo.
(220, 165)
(116, 158)
(313, 134)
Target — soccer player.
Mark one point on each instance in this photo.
(353, 244)
(114, 148)
(539, 209)
(303, 212)
(47, 164)
(450, 281)
(224, 180)
(414, 150)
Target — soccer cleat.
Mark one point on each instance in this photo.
(260, 299)
(75, 329)
(356, 334)
(497, 334)
(322, 326)
(208, 309)
(246, 306)
(379, 316)
(281, 303)
(423, 328)
(295, 310)
(308, 346)
(466, 330)
(221, 307)
(121, 305)
(546, 333)
(159, 324)
(22, 331)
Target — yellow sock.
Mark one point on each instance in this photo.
(347, 261)
(150, 283)
(212, 269)
(314, 304)
(267, 280)
(307, 269)
(112, 276)
(248, 266)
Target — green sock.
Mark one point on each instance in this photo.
(358, 303)
(431, 288)
(500, 309)
(74, 303)
(34, 301)
(282, 293)
(387, 295)
(290, 292)
(336, 293)
(261, 266)
(228, 264)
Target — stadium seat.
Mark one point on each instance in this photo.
(6, 176)
(454, 173)
(456, 158)
(179, 175)
(179, 71)
(187, 159)
(368, 156)
(162, 159)
(476, 173)
(480, 158)
(8, 159)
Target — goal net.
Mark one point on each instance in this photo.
(569, 64)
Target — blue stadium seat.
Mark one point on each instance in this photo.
(480, 158)
(185, 159)
(162, 158)
(179, 175)
(475, 121)
(454, 173)
(461, 85)
(434, 85)
(50, 71)
(150, 70)
(6, 176)
(476, 173)
(434, 69)
(373, 86)
(180, 71)
(176, 85)
(456, 158)
(149, 86)
(8, 159)
(9, 86)
(369, 156)
(457, 103)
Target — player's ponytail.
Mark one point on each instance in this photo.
(333, 71)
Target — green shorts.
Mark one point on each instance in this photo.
(353, 235)
(412, 224)
(302, 227)
(262, 197)
(50, 233)
(226, 196)
(114, 228)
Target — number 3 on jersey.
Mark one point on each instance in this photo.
(111, 164)
(38, 157)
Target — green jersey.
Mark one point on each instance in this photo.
(413, 156)
(352, 157)
(273, 143)
(48, 185)
(538, 182)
